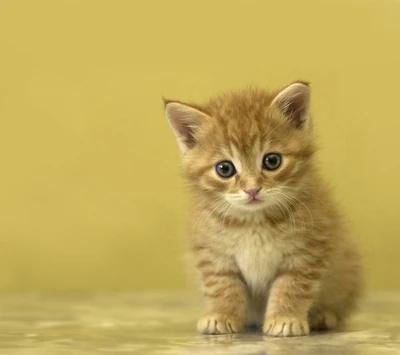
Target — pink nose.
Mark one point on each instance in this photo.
(253, 191)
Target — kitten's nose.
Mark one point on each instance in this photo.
(253, 191)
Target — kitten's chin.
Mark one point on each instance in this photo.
(252, 206)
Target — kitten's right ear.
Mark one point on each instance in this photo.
(185, 121)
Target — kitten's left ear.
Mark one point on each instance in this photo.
(294, 102)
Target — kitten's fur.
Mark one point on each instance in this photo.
(286, 262)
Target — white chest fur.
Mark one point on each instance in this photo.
(258, 259)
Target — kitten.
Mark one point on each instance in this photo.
(267, 240)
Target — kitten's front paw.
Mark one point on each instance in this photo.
(217, 323)
(286, 327)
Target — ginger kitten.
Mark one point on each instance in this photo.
(267, 240)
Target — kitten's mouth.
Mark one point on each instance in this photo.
(254, 201)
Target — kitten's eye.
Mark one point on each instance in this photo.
(272, 161)
(225, 169)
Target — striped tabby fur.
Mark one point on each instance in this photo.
(282, 259)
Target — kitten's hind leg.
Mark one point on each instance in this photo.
(322, 319)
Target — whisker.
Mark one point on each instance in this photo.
(296, 202)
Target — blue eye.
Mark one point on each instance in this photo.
(225, 169)
(272, 161)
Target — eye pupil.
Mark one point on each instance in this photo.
(225, 169)
(272, 161)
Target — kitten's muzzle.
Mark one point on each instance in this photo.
(253, 192)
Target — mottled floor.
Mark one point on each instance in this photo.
(143, 324)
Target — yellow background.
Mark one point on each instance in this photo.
(90, 193)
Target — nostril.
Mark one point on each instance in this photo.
(253, 191)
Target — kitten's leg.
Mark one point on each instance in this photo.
(322, 319)
(225, 294)
(340, 290)
(292, 294)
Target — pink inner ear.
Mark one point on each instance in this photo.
(186, 133)
(184, 120)
(294, 102)
(296, 110)
(182, 124)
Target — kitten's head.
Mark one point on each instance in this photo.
(247, 150)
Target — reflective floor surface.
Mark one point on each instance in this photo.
(128, 323)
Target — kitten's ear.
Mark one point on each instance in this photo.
(294, 102)
(184, 120)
